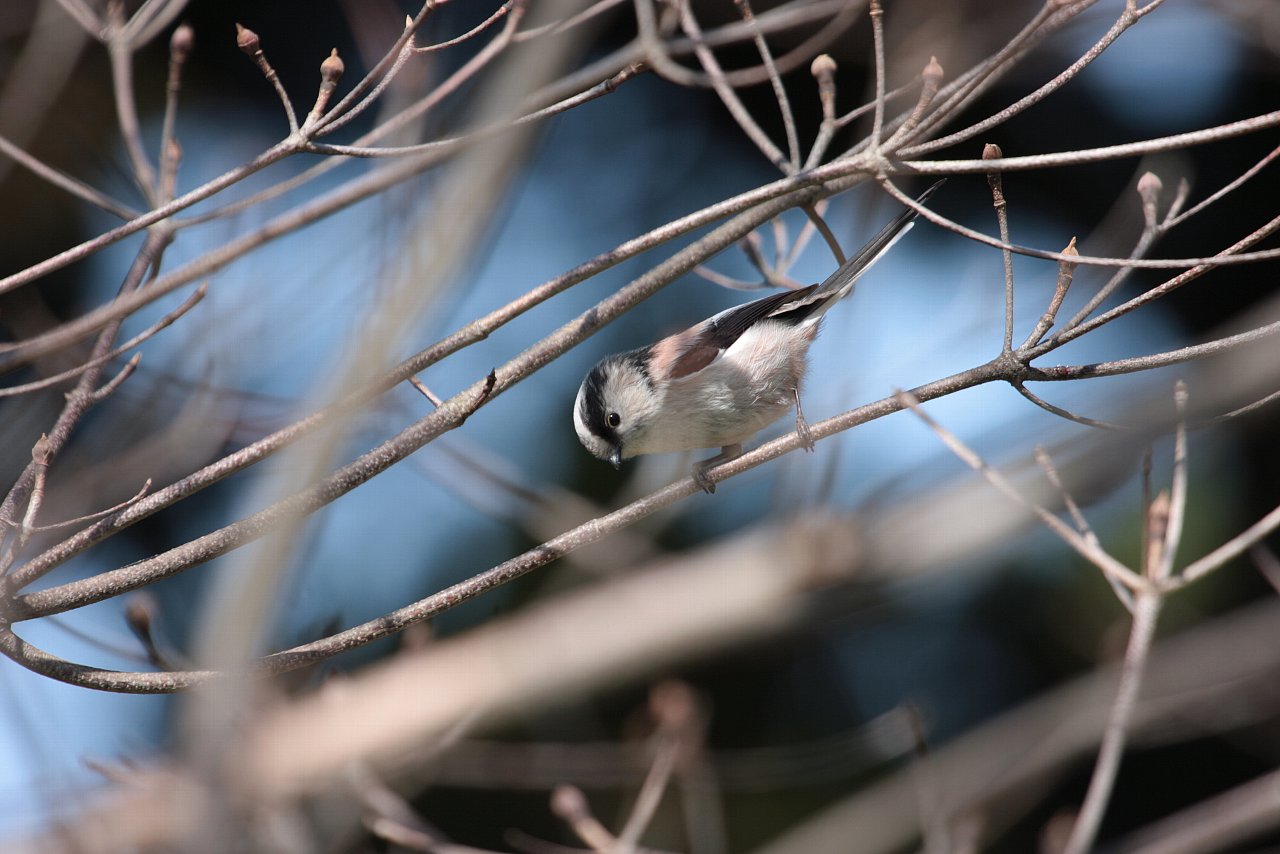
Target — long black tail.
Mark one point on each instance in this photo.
(842, 279)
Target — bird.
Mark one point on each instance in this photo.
(721, 381)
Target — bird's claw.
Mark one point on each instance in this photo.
(805, 433)
(802, 425)
(704, 481)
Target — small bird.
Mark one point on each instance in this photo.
(720, 382)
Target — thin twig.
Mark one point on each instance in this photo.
(930, 79)
(80, 520)
(823, 69)
(84, 15)
(1066, 414)
(822, 228)
(1149, 186)
(1051, 472)
(438, 148)
(484, 57)
(992, 152)
(836, 19)
(569, 804)
(1246, 409)
(1098, 557)
(592, 11)
(1229, 550)
(146, 220)
(249, 43)
(1178, 487)
(728, 96)
(1126, 20)
(41, 454)
(161, 324)
(469, 34)
(858, 112)
(109, 387)
(802, 239)
(1223, 191)
(180, 44)
(775, 80)
(972, 84)
(877, 46)
(74, 186)
(150, 18)
(667, 750)
(82, 396)
(120, 52)
(1146, 612)
(1066, 271)
(1231, 255)
(1155, 360)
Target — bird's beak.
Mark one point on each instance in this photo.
(616, 456)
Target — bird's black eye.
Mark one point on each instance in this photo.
(614, 419)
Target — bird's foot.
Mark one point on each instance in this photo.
(700, 475)
(802, 427)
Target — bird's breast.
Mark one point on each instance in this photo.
(749, 387)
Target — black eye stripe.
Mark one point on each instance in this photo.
(599, 420)
(593, 414)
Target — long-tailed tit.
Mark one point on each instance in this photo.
(718, 383)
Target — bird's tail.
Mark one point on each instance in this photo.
(841, 282)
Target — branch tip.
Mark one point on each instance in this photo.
(1149, 186)
(331, 69)
(42, 450)
(247, 40)
(673, 704)
(933, 72)
(822, 66)
(181, 42)
(568, 802)
(138, 610)
(1149, 183)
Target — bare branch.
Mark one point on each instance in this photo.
(992, 152)
(775, 80)
(877, 46)
(65, 182)
(79, 520)
(1066, 271)
(1145, 614)
(249, 44)
(163, 323)
(120, 50)
(1090, 552)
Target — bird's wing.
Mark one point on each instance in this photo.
(694, 349)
